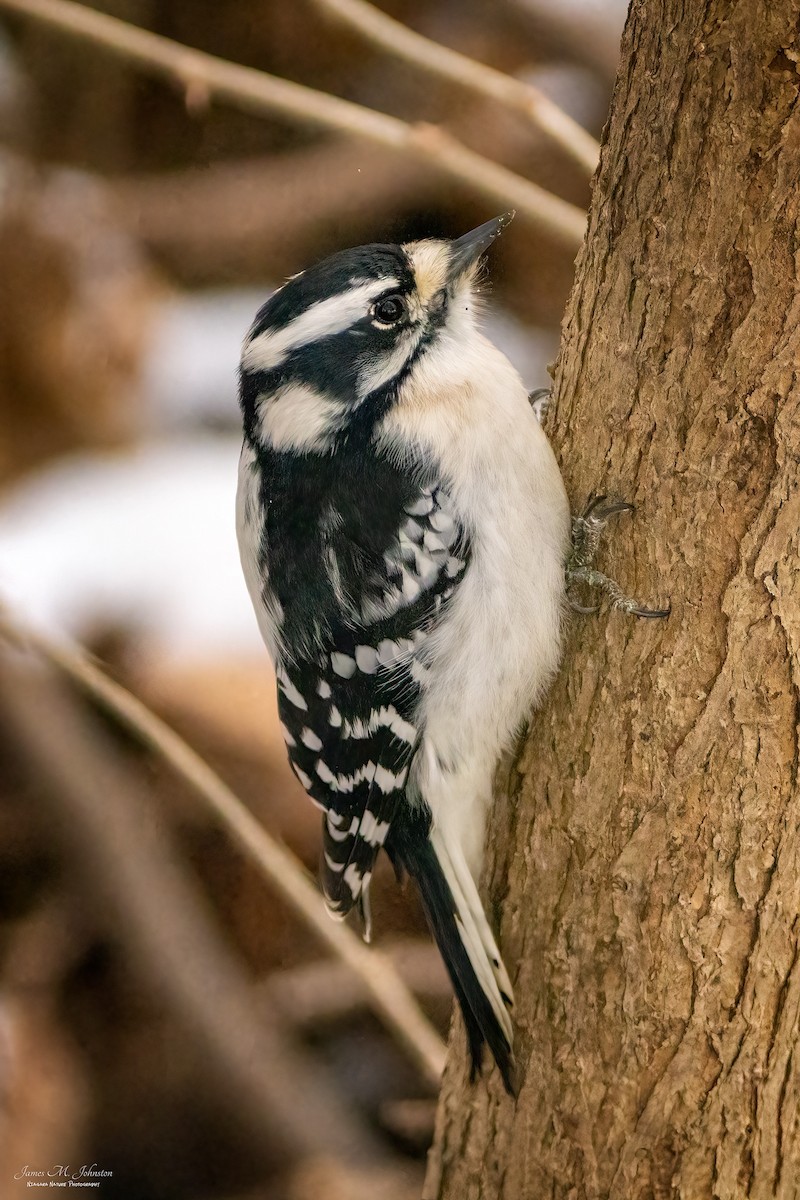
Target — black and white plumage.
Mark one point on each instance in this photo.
(403, 528)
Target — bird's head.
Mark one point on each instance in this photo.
(328, 351)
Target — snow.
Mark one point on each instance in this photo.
(145, 541)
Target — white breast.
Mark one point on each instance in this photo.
(500, 644)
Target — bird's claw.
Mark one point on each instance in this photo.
(586, 533)
(585, 610)
(539, 400)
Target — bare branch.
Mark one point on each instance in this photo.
(209, 221)
(391, 1000)
(257, 92)
(397, 39)
(272, 1086)
(317, 992)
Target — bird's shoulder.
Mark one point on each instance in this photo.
(355, 544)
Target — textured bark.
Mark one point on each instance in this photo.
(647, 858)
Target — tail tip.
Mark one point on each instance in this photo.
(506, 1065)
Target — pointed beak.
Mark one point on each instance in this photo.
(465, 251)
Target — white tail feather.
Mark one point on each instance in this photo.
(478, 940)
(470, 892)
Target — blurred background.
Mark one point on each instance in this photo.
(141, 226)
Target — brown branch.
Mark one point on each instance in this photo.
(272, 1086)
(326, 991)
(397, 39)
(586, 33)
(391, 1000)
(257, 92)
(211, 220)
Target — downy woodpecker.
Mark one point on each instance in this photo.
(403, 530)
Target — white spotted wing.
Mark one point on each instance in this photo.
(351, 711)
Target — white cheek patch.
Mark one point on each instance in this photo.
(297, 417)
(324, 319)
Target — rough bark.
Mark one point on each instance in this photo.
(646, 861)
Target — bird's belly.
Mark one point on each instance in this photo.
(497, 653)
(493, 658)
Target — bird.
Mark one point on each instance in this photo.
(403, 530)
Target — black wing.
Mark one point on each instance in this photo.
(350, 708)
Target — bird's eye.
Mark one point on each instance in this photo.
(389, 310)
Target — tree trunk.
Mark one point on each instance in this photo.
(646, 863)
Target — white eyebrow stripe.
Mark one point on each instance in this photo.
(322, 319)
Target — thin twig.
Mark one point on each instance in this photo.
(582, 32)
(397, 39)
(391, 1000)
(209, 220)
(257, 92)
(314, 993)
(270, 1084)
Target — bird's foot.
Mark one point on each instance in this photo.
(587, 531)
(539, 400)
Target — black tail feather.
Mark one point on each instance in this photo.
(481, 1022)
